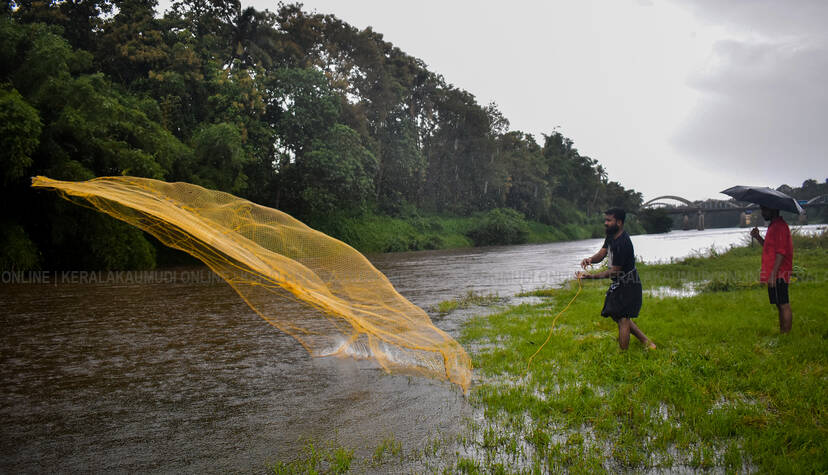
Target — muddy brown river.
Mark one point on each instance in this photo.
(170, 371)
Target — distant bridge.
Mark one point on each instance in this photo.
(726, 205)
(694, 212)
(820, 200)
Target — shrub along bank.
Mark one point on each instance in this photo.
(415, 232)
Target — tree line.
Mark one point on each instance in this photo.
(294, 110)
(810, 188)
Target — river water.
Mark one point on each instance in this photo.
(170, 371)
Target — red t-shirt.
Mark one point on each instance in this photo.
(777, 241)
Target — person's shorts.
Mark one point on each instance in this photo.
(622, 301)
(778, 295)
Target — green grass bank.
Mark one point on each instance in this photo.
(379, 233)
(724, 391)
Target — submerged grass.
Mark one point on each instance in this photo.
(469, 299)
(316, 459)
(724, 389)
(389, 447)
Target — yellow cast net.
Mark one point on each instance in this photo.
(349, 308)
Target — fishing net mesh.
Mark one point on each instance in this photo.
(349, 308)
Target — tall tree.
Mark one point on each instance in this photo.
(131, 43)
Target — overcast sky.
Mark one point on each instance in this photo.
(683, 97)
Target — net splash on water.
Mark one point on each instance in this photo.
(350, 309)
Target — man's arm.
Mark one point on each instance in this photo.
(598, 257)
(611, 272)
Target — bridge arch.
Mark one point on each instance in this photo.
(817, 199)
(668, 197)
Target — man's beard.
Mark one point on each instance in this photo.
(611, 230)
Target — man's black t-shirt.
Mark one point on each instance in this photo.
(620, 252)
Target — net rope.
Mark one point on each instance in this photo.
(552, 326)
(346, 308)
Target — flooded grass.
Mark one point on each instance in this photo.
(469, 299)
(723, 391)
(689, 289)
(543, 293)
(389, 447)
(318, 458)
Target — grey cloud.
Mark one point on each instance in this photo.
(767, 17)
(763, 111)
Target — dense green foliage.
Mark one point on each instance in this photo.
(810, 189)
(501, 226)
(292, 110)
(380, 233)
(655, 220)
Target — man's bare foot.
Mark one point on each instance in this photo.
(650, 345)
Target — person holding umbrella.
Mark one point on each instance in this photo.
(777, 264)
(777, 245)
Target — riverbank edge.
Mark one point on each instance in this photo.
(377, 234)
(374, 233)
(380, 233)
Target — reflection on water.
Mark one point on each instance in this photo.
(687, 290)
(679, 244)
(182, 376)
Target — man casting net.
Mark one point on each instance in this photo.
(269, 257)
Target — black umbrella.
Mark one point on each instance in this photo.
(764, 196)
